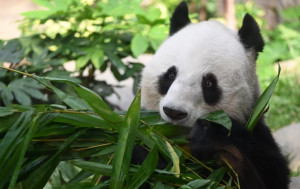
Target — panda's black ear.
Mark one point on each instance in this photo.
(180, 18)
(250, 35)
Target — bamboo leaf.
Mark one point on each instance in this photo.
(98, 105)
(32, 127)
(44, 172)
(219, 117)
(99, 168)
(83, 120)
(125, 144)
(146, 169)
(168, 151)
(175, 159)
(10, 140)
(261, 103)
(93, 101)
(198, 183)
(10, 146)
(217, 175)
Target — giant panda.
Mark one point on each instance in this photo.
(204, 67)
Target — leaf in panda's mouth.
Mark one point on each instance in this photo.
(219, 117)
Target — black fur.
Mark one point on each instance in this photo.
(211, 91)
(254, 156)
(250, 35)
(166, 80)
(180, 18)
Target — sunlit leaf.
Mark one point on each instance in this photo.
(139, 44)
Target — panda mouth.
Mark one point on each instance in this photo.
(186, 121)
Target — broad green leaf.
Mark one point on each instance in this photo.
(7, 96)
(37, 14)
(114, 59)
(261, 103)
(11, 52)
(97, 58)
(139, 44)
(5, 111)
(146, 169)
(82, 61)
(21, 97)
(153, 14)
(2, 86)
(157, 35)
(219, 117)
(34, 93)
(125, 144)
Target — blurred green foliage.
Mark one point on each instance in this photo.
(97, 35)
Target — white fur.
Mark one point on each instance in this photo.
(198, 49)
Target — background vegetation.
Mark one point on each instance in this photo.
(68, 128)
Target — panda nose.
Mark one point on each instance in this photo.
(174, 114)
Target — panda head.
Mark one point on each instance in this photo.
(202, 68)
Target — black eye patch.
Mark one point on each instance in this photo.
(166, 80)
(211, 91)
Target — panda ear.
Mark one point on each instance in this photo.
(250, 36)
(180, 18)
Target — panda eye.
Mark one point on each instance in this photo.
(208, 84)
(212, 92)
(166, 79)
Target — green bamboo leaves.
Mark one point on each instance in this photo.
(36, 140)
(125, 144)
(261, 103)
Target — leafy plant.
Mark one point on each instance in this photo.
(50, 137)
(39, 141)
(96, 35)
